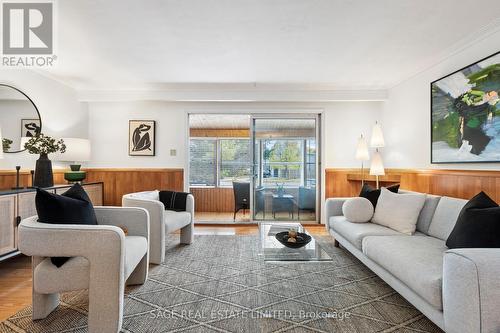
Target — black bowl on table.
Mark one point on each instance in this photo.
(302, 239)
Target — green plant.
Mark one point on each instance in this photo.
(44, 145)
(6, 144)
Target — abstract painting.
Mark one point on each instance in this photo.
(141, 140)
(30, 127)
(465, 114)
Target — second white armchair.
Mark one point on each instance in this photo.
(162, 221)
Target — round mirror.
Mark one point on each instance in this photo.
(19, 118)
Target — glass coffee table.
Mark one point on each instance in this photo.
(270, 249)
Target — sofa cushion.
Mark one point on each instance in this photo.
(445, 217)
(135, 249)
(399, 211)
(427, 212)
(415, 260)
(355, 232)
(74, 274)
(358, 210)
(175, 220)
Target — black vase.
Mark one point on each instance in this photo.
(43, 172)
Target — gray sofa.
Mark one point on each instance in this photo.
(459, 290)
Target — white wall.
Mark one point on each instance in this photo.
(406, 118)
(108, 132)
(62, 115)
(343, 122)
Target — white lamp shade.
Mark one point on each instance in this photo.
(377, 166)
(362, 153)
(77, 150)
(377, 140)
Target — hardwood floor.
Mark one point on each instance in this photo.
(15, 273)
(227, 217)
(15, 285)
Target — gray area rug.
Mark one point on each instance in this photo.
(219, 284)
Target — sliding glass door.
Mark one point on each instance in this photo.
(285, 168)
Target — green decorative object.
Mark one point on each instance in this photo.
(75, 176)
(44, 145)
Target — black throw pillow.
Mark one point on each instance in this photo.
(478, 224)
(372, 193)
(172, 200)
(72, 207)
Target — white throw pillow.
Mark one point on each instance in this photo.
(149, 195)
(399, 211)
(358, 210)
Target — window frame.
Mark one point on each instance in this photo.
(218, 157)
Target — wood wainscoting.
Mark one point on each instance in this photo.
(216, 199)
(453, 183)
(8, 178)
(118, 182)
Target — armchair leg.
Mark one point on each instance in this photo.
(187, 234)
(106, 307)
(140, 273)
(44, 304)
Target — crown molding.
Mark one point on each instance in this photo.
(464, 43)
(232, 95)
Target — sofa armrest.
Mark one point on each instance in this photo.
(333, 207)
(135, 219)
(156, 211)
(70, 240)
(190, 205)
(471, 290)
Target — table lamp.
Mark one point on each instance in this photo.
(377, 167)
(362, 155)
(77, 150)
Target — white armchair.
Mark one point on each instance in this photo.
(162, 221)
(103, 261)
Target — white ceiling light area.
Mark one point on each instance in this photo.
(131, 45)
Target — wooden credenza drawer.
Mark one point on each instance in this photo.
(8, 224)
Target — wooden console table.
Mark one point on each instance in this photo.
(356, 177)
(16, 205)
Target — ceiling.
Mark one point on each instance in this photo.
(357, 44)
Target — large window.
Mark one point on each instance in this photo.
(203, 155)
(219, 161)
